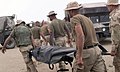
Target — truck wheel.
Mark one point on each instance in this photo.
(11, 44)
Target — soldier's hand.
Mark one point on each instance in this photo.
(46, 42)
(69, 41)
(34, 45)
(80, 63)
(113, 53)
(3, 50)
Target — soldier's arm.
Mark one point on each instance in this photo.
(51, 31)
(42, 35)
(6, 41)
(33, 42)
(67, 30)
(79, 39)
(32, 39)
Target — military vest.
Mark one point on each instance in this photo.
(22, 35)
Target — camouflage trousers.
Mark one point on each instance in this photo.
(115, 37)
(37, 42)
(61, 41)
(93, 61)
(28, 61)
(48, 39)
(116, 60)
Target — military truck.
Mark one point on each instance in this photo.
(6, 25)
(99, 15)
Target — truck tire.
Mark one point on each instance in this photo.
(11, 44)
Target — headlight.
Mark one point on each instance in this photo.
(30, 25)
(103, 29)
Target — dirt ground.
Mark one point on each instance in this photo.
(12, 61)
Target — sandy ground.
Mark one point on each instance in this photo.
(12, 61)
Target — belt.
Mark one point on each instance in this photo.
(22, 45)
(91, 46)
(60, 36)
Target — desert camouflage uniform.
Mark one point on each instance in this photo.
(22, 36)
(115, 37)
(92, 57)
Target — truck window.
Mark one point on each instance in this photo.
(95, 19)
(104, 18)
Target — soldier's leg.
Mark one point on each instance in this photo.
(84, 68)
(48, 39)
(76, 68)
(116, 63)
(99, 65)
(116, 60)
(37, 42)
(28, 69)
(93, 61)
(117, 69)
(61, 42)
(28, 62)
(89, 57)
(61, 65)
(32, 66)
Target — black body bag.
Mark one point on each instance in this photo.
(53, 54)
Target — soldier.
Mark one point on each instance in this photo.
(58, 30)
(36, 31)
(113, 7)
(66, 19)
(25, 42)
(68, 24)
(45, 31)
(88, 55)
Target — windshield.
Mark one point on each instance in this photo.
(104, 18)
(95, 19)
(101, 18)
